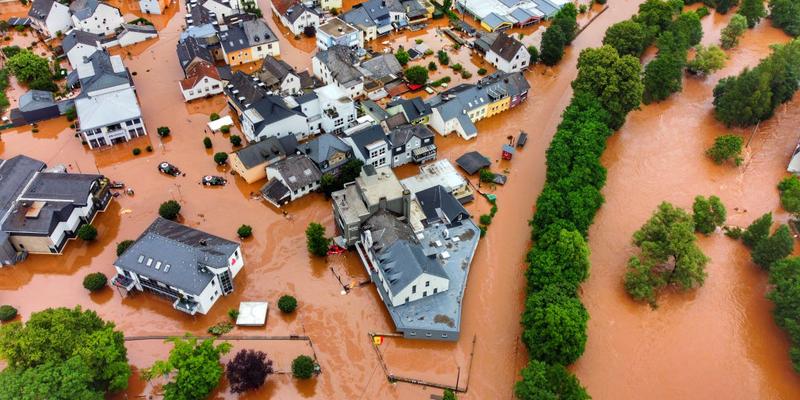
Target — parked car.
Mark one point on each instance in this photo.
(117, 185)
(169, 169)
(213, 180)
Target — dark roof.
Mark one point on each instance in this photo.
(83, 9)
(259, 152)
(276, 192)
(384, 67)
(322, 148)
(40, 9)
(400, 135)
(473, 162)
(35, 100)
(295, 11)
(374, 110)
(272, 109)
(506, 46)
(297, 171)
(396, 120)
(104, 75)
(413, 108)
(340, 61)
(75, 37)
(439, 205)
(367, 136)
(61, 187)
(186, 250)
(244, 89)
(14, 174)
(274, 71)
(244, 34)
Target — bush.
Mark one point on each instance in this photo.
(432, 66)
(71, 114)
(774, 248)
(7, 313)
(789, 189)
(236, 140)
(287, 304)
(402, 56)
(221, 158)
(309, 31)
(534, 53)
(486, 219)
(417, 75)
(169, 209)
(248, 370)
(149, 149)
(466, 74)
(486, 175)
(220, 328)
(95, 281)
(482, 71)
(444, 59)
(703, 12)
(726, 148)
(729, 38)
(87, 232)
(316, 242)
(163, 131)
(233, 314)
(707, 60)
(757, 231)
(785, 14)
(225, 129)
(213, 116)
(123, 245)
(457, 67)
(708, 214)
(207, 142)
(136, 151)
(303, 367)
(244, 231)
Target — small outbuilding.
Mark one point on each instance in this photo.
(252, 313)
(473, 162)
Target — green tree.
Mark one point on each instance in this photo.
(789, 189)
(207, 142)
(668, 255)
(708, 214)
(656, 16)
(729, 38)
(123, 245)
(236, 140)
(554, 326)
(707, 60)
(663, 76)
(7, 313)
(221, 158)
(757, 231)
(316, 241)
(85, 341)
(287, 304)
(627, 37)
(776, 247)
(402, 56)
(785, 14)
(566, 20)
(163, 131)
(753, 10)
(70, 379)
(559, 258)
(449, 395)
(417, 75)
(194, 367)
(541, 381)
(95, 281)
(303, 367)
(244, 231)
(688, 28)
(552, 47)
(87, 232)
(784, 279)
(432, 66)
(615, 81)
(534, 53)
(27, 67)
(169, 209)
(723, 6)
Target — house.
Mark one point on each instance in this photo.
(206, 11)
(359, 18)
(188, 267)
(496, 15)
(190, 50)
(336, 31)
(132, 34)
(328, 109)
(247, 40)
(261, 114)
(295, 15)
(153, 6)
(440, 173)
(383, 68)
(371, 146)
(79, 45)
(337, 65)
(415, 110)
(251, 162)
(95, 16)
(280, 77)
(326, 5)
(290, 179)
(503, 51)
(38, 105)
(50, 17)
(40, 210)
(202, 80)
(374, 16)
(107, 108)
(328, 152)
(411, 143)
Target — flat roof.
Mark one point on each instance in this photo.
(252, 313)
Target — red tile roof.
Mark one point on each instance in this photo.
(197, 71)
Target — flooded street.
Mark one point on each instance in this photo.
(693, 346)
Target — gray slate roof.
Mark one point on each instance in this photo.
(272, 109)
(439, 205)
(75, 37)
(340, 60)
(506, 46)
(473, 161)
(384, 67)
(267, 149)
(294, 12)
(246, 34)
(35, 100)
(322, 148)
(83, 9)
(274, 71)
(412, 108)
(400, 135)
(104, 75)
(40, 9)
(185, 249)
(14, 174)
(297, 171)
(246, 87)
(367, 136)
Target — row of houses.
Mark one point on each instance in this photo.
(52, 18)
(497, 15)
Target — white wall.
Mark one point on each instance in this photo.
(202, 89)
(103, 22)
(436, 282)
(78, 52)
(520, 61)
(130, 38)
(58, 20)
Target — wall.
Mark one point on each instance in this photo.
(251, 175)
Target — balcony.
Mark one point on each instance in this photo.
(423, 154)
(122, 281)
(187, 306)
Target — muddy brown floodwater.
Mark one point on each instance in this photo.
(719, 340)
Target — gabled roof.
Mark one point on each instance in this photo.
(190, 49)
(83, 9)
(15, 173)
(272, 109)
(245, 34)
(358, 16)
(506, 46)
(340, 60)
(108, 108)
(197, 71)
(323, 147)
(35, 100)
(297, 172)
(400, 135)
(473, 162)
(185, 250)
(283, 5)
(76, 37)
(274, 71)
(384, 67)
(102, 71)
(275, 192)
(270, 148)
(244, 90)
(40, 9)
(366, 137)
(297, 10)
(439, 205)
(412, 108)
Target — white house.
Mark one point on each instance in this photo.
(191, 268)
(337, 65)
(79, 45)
(50, 17)
(503, 51)
(270, 117)
(295, 15)
(336, 31)
(202, 80)
(95, 16)
(371, 145)
(328, 109)
(278, 76)
(132, 34)
(153, 6)
(324, 4)
(290, 179)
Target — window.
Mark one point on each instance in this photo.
(213, 283)
(444, 335)
(413, 288)
(428, 334)
(427, 283)
(149, 261)
(425, 293)
(412, 333)
(406, 300)
(435, 290)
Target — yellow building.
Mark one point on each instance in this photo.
(498, 106)
(252, 161)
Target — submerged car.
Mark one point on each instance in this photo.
(169, 169)
(213, 180)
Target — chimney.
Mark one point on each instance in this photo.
(407, 204)
(203, 242)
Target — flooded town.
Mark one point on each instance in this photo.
(401, 199)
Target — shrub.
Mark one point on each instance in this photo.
(457, 67)
(95, 281)
(207, 142)
(303, 367)
(432, 66)
(703, 12)
(7, 313)
(287, 304)
(789, 189)
(213, 116)
(734, 233)
(71, 114)
(136, 151)
(225, 129)
(149, 149)
(486, 175)
(169, 209)
(707, 60)
(486, 219)
(248, 370)
(221, 158)
(87, 232)
(444, 59)
(220, 328)
(417, 75)
(236, 140)
(482, 71)
(163, 131)
(708, 214)
(534, 53)
(729, 38)
(757, 231)
(726, 148)
(402, 56)
(233, 314)
(244, 231)
(466, 74)
(123, 245)
(449, 395)
(309, 31)
(418, 41)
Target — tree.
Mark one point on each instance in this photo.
(688, 28)
(95, 281)
(417, 75)
(432, 66)
(163, 131)
(729, 37)
(554, 326)
(402, 56)
(70, 379)
(85, 342)
(71, 114)
(552, 47)
(753, 10)
(486, 175)
(287, 304)
(560, 257)
(194, 366)
(706, 60)
(28, 67)
(207, 142)
(789, 189)
(541, 381)
(303, 367)
(708, 214)
(627, 37)
(309, 31)
(784, 279)
(123, 245)
(656, 16)
(244, 231)
(785, 14)
(723, 6)
(449, 395)
(169, 209)
(316, 241)
(757, 231)
(236, 140)
(776, 247)
(248, 370)
(565, 19)
(663, 76)
(87, 232)
(615, 81)
(7, 313)
(534, 53)
(213, 117)
(221, 158)
(444, 59)
(668, 256)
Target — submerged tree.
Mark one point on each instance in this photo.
(554, 326)
(757, 231)
(316, 241)
(248, 370)
(727, 148)
(708, 214)
(789, 189)
(193, 366)
(773, 248)
(541, 381)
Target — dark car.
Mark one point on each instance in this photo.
(169, 169)
(213, 180)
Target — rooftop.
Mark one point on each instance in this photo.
(262, 151)
(297, 172)
(106, 109)
(379, 183)
(336, 27)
